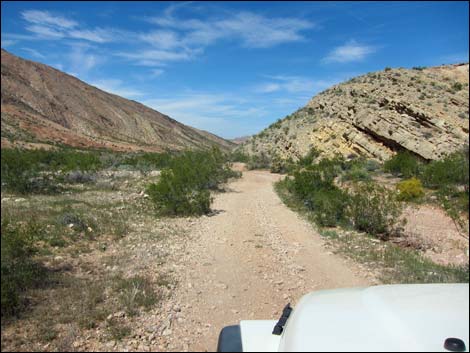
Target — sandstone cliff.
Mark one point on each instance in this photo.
(422, 110)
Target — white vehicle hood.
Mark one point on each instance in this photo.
(382, 318)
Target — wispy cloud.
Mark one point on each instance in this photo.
(8, 42)
(252, 30)
(268, 87)
(45, 25)
(47, 18)
(116, 87)
(351, 51)
(34, 53)
(157, 72)
(219, 113)
(81, 61)
(292, 84)
(156, 57)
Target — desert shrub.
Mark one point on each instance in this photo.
(329, 206)
(356, 173)
(183, 187)
(374, 209)
(238, 156)
(281, 166)
(410, 189)
(261, 161)
(452, 170)
(136, 292)
(78, 176)
(403, 163)
(388, 68)
(314, 187)
(457, 86)
(309, 158)
(39, 171)
(147, 161)
(19, 271)
(371, 165)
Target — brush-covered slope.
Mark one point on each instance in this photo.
(422, 110)
(41, 105)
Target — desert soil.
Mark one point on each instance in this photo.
(251, 258)
(246, 260)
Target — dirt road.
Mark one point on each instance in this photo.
(253, 256)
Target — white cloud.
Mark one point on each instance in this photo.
(81, 61)
(351, 51)
(251, 29)
(97, 35)
(47, 26)
(45, 32)
(8, 42)
(157, 72)
(162, 39)
(268, 88)
(221, 114)
(116, 87)
(34, 53)
(48, 19)
(156, 57)
(291, 84)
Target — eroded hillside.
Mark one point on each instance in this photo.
(422, 110)
(42, 105)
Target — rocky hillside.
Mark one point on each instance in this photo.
(41, 106)
(422, 110)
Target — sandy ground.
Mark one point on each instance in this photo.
(253, 256)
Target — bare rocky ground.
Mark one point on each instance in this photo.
(246, 260)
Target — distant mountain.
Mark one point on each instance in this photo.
(240, 140)
(41, 106)
(422, 110)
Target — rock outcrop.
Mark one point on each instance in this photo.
(422, 110)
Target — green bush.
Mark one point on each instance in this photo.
(452, 170)
(403, 163)
(314, 187)
(356, 173)
(261, 161)
(329, 206)
(37, 171)
(183, 187)
(239, 156)
(374, 209)
(19, 271)
(410, 189)
(309, 158)
(281, 166)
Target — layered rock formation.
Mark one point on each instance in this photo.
(422, 110)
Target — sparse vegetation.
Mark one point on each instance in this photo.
(19, 271)
(374, 209)
(410, 189)
(403, 163)
(183, 187)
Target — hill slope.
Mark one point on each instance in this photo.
(42, 105)
(424, 111)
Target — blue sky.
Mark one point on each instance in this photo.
(232, 68)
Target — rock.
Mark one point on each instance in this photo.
(110, 344)
(167, 332)
(371, 115)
